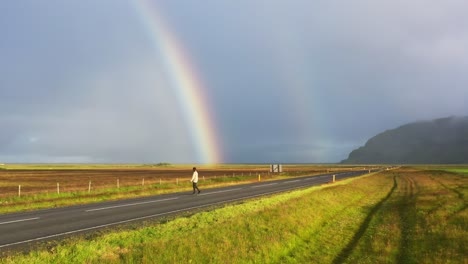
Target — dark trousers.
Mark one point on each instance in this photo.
(195, 187)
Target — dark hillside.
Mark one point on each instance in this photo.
(440, 141)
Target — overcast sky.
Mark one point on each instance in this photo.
(289, 81)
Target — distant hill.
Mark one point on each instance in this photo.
(440, 141)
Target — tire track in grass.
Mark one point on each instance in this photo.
(344, 254)
(460, 195)
(407, 212)
(463, 205)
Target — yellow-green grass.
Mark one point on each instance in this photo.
(423, 221)
(41, 190)
(458, 170)
(403, 216)
(52, 199)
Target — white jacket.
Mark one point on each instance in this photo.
(194, 177)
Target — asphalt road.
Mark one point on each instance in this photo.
(20, 230)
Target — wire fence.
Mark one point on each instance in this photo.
(32, 183)
(116, 184)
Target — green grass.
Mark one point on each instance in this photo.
(236, 230)
(50, 200)
(424, 221)
(462, 169)
(404, 216)
(458, 170)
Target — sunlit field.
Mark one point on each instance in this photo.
(407, 215)
(34, 186)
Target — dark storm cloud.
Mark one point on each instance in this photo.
(361, 66)
(290, 81)
(78, 85)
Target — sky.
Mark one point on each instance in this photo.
(294, 81)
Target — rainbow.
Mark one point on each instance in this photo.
(188, 86)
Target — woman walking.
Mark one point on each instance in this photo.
(194, 180)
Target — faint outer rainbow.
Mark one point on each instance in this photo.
(189, 89)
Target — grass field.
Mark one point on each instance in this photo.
(400, 216)
(458, 170)
(35, 186)
(463, 169)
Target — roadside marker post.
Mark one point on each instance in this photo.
(19, 190)
(259, 177)
(89, 187)
(58, 188)
(334, 177)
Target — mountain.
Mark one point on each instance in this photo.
(440, 141)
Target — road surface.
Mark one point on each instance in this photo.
(21, 230)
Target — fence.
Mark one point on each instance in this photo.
(97, 182)
(93, 186)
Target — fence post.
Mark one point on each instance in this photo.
(259, 177)
(333, 177)
(58, 188)
(19, 190)
(89, 187)
(118, 183)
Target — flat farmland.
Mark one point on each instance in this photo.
(404, 215)
(31, 185)
(71, 179)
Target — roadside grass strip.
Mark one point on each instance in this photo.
(28, 202)
(51, 200)
(403, 216)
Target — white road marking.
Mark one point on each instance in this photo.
(264, 185)
(292, 181)
(136, 219)
(221, 191)
(17, 221)
(151, 216)
(132, 204)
